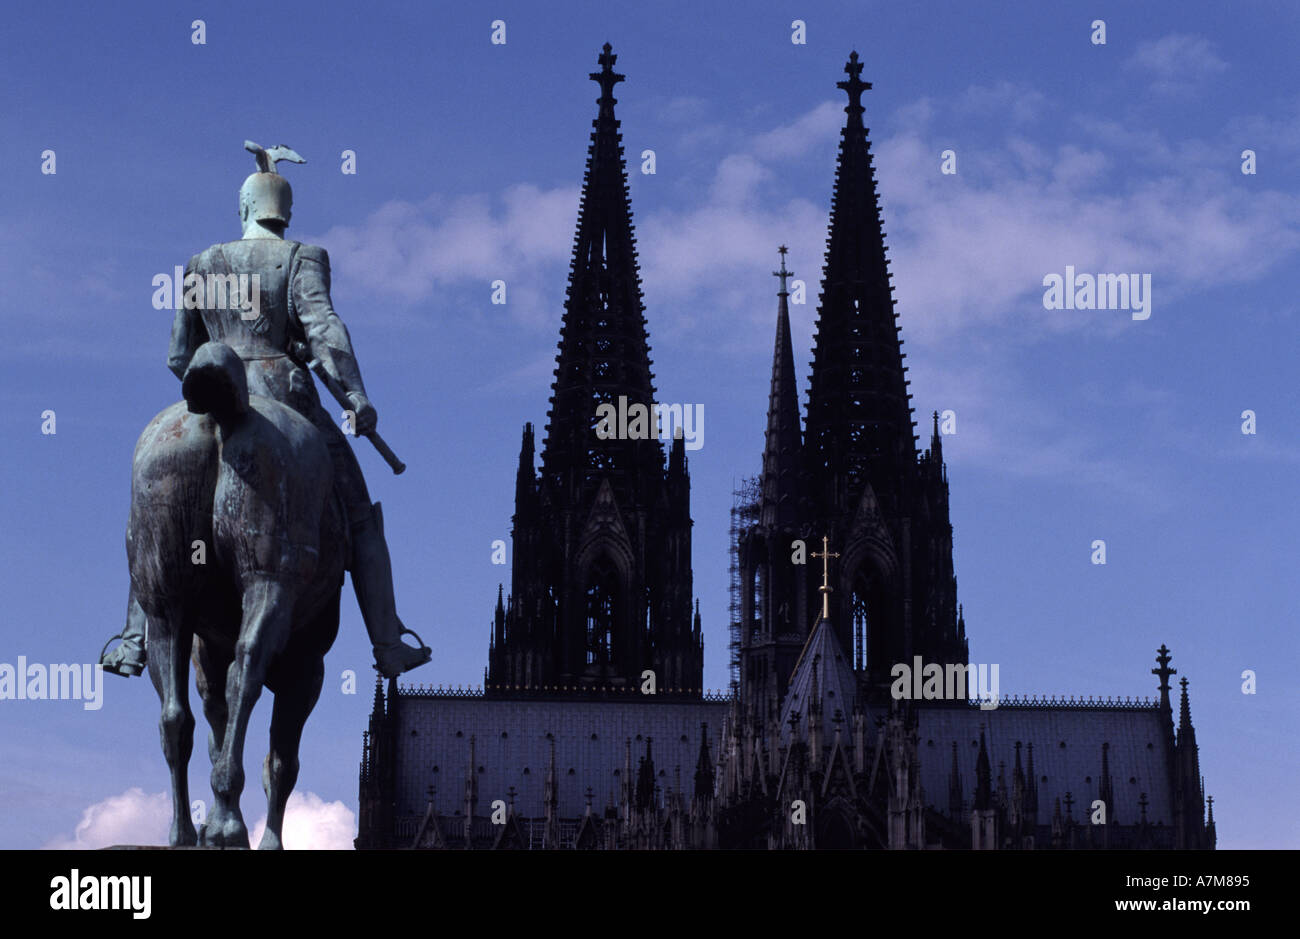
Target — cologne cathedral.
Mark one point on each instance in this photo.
(592, 729)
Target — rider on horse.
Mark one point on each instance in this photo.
(293, 306)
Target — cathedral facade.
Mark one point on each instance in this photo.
(592, 729)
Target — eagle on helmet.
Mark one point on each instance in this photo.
(265, 195)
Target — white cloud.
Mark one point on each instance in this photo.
(971, 250)
(1178, 62)
(140, 818)
(684, 109)
(1178, 55)
(802, 135)
(413, 250)
(737, 180)
(1011, 99)
(1004, 428)
(134, 817)
(312, 824)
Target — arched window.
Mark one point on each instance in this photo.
(876, 633)
(602, 611)
(861, 617)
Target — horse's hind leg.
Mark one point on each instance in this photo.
(169, 669)
(295, 697)
(211, 668)
(268, 608)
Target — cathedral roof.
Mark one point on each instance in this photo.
(1067, 754)
(513, 747)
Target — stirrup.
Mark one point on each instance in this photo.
(423, 654)
(124, 669)
(402, 632)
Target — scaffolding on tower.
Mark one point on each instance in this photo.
(746, 499)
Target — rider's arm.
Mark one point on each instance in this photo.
(188, 333)
(326, 335)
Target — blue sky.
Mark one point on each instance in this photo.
(1072, 425)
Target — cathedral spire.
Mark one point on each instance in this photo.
(854, 86)
(1163, 673)
(1184, 713)
(604, 349)
(1189, 789)
(601, 568)
(499, 620)
(782, 453)
(859, 421)
(645, 779)
(704, 767)
(526, 474)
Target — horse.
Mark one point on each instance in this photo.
(236, 548)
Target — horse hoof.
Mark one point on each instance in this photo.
(224, 833)
(270, 842)
(183, 836)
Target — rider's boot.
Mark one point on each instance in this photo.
(128, 659)
(372, 578)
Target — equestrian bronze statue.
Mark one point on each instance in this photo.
(247, 505)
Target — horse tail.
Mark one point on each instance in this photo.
(215, 383)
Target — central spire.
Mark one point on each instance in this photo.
(782, 452)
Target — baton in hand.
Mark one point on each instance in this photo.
(303, 355)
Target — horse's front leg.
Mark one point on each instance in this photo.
(169, 669)
(268, 609)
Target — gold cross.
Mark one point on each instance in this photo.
(826, 556)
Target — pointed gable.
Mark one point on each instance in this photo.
(605, 530)
(868, 533)
(428, 836)
(822, 679)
